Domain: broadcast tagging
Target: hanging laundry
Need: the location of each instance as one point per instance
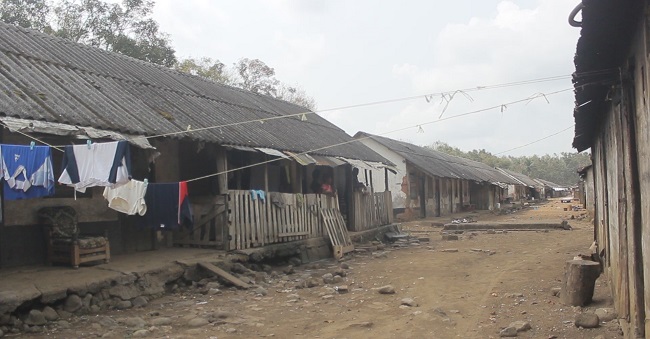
(128, 198)
(99, 164)
(168, 206)
(258, 193)
(27, 171)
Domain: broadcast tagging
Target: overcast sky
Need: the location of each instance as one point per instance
(352, 52)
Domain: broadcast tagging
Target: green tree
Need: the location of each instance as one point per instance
(125, 28)
(559, 168)
(209, 68)
(26, 13)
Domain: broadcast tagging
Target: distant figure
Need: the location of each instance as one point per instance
(315, 182)
(327, 187)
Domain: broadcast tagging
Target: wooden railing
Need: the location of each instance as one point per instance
(371, 210)
(254, 221)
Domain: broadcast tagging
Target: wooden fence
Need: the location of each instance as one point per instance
(255, 221)
(371, 210)
(209, 229)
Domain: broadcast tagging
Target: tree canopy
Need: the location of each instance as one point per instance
(128, 28)
(558, 168)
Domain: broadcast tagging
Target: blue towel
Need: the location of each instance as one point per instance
(27, 171)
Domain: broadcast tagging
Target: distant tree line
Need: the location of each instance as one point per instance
(128, 28)
(558, 168)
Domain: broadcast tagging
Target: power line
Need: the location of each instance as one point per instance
(380, 134)
(536, 141)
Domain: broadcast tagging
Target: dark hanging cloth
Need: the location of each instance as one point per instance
(168, 206)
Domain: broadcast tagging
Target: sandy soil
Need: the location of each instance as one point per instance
(464, 294)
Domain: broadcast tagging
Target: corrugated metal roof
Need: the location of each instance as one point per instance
(524, 179)
(50, 79)
(547, 183)
(441, 164)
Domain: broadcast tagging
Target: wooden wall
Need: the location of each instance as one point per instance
(622, 192)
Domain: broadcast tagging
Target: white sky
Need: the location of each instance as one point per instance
(351, 52)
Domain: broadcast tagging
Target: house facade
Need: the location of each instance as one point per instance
(224, 142)
(428, 183)
(611, 117)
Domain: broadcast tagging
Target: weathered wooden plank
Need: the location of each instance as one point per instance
(293, 234)
(223, 274)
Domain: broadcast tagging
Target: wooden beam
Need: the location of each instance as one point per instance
(386, 179)
(223, 274)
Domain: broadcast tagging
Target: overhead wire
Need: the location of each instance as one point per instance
(380, 134)
(536, 141)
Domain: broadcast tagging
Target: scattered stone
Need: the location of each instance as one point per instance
(587, 320)
(106, 321)
(289, 270)
(449, 237)
(440, 312)
(140, 333)
(337, 279)
(312, 283)
(198, 322)
(342, 288)
(514, 295)
(261, 291)
(123, 304)
(50, 314)
(73, 303)
(365, 324)
(388, 289)
(222, 314)
(327, 297)
(231, 330)
(345, 266)
(409, 302)
(454, 311)
(95, 308)
(423, 239)
(555, 291)
(293, 296)
(162, 321)
(124, 292)
(520, 326)
(135, 322)
(379, 255)
(295, 261)
(328, 278)
(140, 301)
(508, 332)
(606, 314)
(450, 250)
(35, 318)
(491, 232)
(340, 272)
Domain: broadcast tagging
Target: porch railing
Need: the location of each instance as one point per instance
(255, 220)
(209, 229)
(371, 210)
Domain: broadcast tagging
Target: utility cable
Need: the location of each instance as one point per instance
(536, 141)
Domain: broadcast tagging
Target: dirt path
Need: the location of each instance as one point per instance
(464, 294)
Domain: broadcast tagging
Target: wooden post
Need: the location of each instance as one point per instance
(222, 166)
(266, 173)
(372, 188)
(386, 179)
(579, 282)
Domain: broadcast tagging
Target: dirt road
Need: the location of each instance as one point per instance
(463, 294)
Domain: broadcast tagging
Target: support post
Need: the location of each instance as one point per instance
(386, 179)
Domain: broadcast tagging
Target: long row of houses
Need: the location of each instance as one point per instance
(253, 165)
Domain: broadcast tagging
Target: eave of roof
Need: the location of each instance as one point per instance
(607, 28)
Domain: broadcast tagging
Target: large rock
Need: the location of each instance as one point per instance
(124, 292)
(140, 334)
(123, 304)
(328, 278)
(508, 332)
(50, 314)
(606, 314)
(587, 320)
(521, 326)
(139, 301)
(35, 318)
(73, 303)
(134, 322)
(162, 321)
(388, 289)
(198, 322)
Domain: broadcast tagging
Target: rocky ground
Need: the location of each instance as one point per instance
(479, 286)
